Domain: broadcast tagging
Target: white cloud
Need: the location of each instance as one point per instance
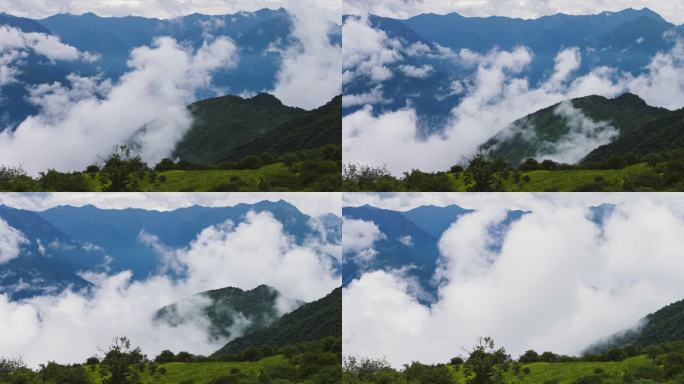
(406, 240)
(15, 45)
(70, 327)
(358, 238)
(375, 96)
(78, 124)
(584, 135)
(421, 72)
(11, 240)
(42, 44)
(367, 51)
(310, 74)
(671, 10)
(561, 292)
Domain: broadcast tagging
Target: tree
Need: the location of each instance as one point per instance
(53, 373)
(123, 171)
(483, 175)
(530, 356)
(120, 362)
(485, 362)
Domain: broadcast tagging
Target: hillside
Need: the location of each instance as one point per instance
(665, 133)
(224, 123)
(313, 321)
(536, 134)
(314, 129)
(229, 310)
(664, 325)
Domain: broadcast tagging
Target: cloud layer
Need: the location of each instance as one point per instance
(497, 93)
(563, 291)
(310, 74)
(10, 241)
(84, 121)
(245, 255)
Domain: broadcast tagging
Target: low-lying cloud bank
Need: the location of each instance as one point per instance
(496, 95)
(70, 327)
(83, 121)
(10, 241)
(560, 282)
(311, 72)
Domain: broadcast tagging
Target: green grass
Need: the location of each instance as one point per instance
(203, 181)
(200, 373)
(568, 181)
(563, 181)
(564, 373)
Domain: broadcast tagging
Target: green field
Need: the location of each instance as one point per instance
(198, 373)
(563, 181)
(564, 373)
(204, 180)
(568, 181)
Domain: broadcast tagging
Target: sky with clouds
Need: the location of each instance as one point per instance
(313, 204)
(496, 92)
(526, 9)
(560, 281)
(70, 326)
(309, 76)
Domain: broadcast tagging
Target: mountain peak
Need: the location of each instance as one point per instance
(630, 98)
(266, 98)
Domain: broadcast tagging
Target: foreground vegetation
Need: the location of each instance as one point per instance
(316, 362)
(124, 171)
(486, 364)
(655, 172)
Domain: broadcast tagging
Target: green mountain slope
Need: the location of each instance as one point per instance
(664, 325)
(311, 321)
(229, 310)
(536, 133)
(224, 123)
(311, 130)
(665, 133)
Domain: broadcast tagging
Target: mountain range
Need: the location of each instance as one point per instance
(625, 40)
(65, 240)
(259, 36)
